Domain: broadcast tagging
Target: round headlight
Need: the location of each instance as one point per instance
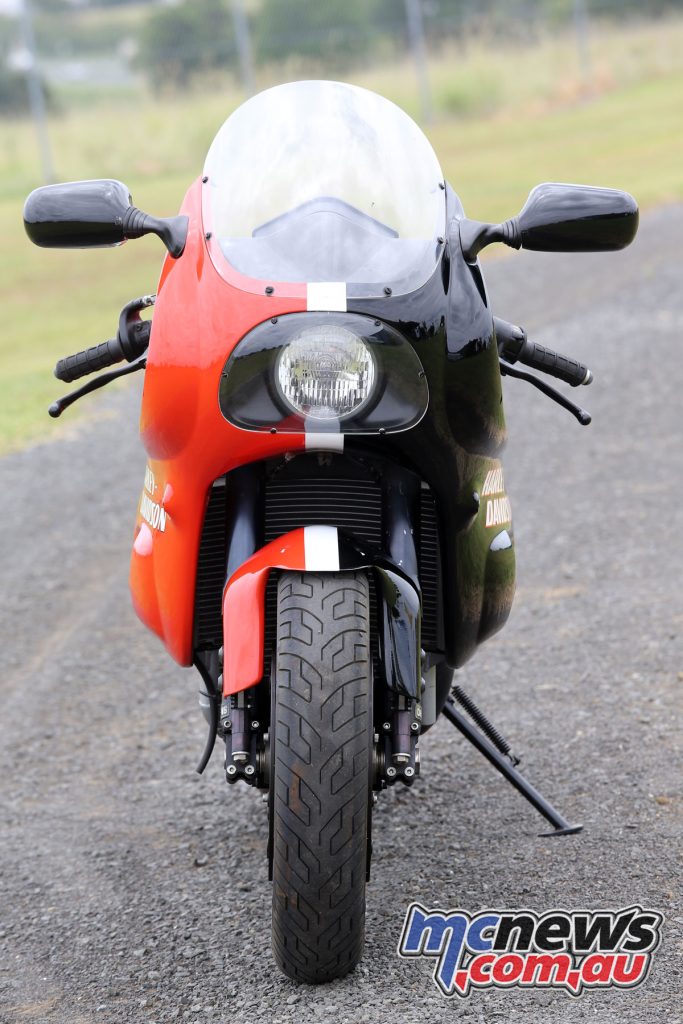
(326, 372)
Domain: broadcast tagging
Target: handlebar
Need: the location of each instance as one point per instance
(89, 360)
(514, 345)
(568, 370)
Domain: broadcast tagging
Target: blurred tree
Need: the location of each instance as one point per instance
(335, 32)
(179, 42)
(8, 36)
(50, 7)
(13, 94)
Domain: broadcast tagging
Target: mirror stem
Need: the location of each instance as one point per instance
(475, 236)
(171, 230)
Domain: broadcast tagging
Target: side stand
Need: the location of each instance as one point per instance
(561, 827)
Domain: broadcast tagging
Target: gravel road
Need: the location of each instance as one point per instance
(134, 891)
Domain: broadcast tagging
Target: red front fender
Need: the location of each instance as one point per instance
(311, 549)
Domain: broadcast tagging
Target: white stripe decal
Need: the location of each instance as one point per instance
(326, 296)
(321, 548)
(324, 442)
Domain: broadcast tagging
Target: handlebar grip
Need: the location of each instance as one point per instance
(89, 360)
(544, 359)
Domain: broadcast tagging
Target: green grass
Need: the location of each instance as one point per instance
(623, 129)
(630, 138)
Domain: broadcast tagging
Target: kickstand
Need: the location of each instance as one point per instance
(561, 827)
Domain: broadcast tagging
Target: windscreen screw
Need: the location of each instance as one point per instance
(442, 184)
(273, 319)
(378, 323)
(273, 430)
(205, 178)
(269, 289)
(382, 430)
(441, 239)
(207, 236)
(387, 290)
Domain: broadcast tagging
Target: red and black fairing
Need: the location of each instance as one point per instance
(224, 492)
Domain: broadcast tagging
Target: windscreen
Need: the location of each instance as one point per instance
(321, 181)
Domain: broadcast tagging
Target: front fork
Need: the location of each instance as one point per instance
(397, 757)
(233, 712)
(401, 660)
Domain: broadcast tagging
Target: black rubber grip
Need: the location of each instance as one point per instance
(89, 360)
(568, 370)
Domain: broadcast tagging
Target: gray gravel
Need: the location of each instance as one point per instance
(132, 890)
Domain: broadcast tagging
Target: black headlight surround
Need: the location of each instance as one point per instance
(249, 397)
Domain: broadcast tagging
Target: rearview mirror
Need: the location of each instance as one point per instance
(92, 214)
(577, 218)
(560, 218)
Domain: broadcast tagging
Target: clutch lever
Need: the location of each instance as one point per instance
(507, 370)
(60, 404)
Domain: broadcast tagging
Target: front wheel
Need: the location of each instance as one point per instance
(321, 773)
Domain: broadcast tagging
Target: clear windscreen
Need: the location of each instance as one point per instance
(321, 181)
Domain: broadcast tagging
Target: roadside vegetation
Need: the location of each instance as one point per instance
(503, 120)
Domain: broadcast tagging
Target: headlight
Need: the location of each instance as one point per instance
(329, 373)
(326, 372)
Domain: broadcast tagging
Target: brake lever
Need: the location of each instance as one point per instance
(581, 415)
(60, 404)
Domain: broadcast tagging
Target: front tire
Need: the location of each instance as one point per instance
(321, 773)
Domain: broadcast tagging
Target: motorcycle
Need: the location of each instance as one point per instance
(324, 530)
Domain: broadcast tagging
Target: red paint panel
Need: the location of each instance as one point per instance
(199, 317)
(244, 609)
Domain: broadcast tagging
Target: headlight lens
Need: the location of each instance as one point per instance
(326, 372)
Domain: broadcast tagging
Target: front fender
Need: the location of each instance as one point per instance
(319, 549)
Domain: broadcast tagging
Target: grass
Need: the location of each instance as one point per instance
(523, 123)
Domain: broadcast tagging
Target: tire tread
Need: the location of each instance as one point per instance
(321, 762)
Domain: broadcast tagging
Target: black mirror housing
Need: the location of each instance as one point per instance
(560, 218)
(94, 214)
(577, 218)
(77, 214)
